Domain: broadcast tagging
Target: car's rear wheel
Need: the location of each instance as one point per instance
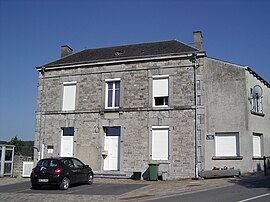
(90, 178)
(64, 184)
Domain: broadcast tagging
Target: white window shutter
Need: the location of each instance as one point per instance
(160, 144)
(69, 96)
(256, 145)
(160, 87)
(226, 145)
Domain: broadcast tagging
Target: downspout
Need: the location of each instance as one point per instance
(196, 66)
(41, 113)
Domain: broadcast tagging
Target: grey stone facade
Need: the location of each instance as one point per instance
(136, 116)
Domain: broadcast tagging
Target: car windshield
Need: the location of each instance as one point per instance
(49, 163)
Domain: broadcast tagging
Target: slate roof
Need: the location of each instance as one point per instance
(143, 50)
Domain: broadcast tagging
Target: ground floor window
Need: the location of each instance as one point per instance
(160, 143)
(227, 144)
(257, 149)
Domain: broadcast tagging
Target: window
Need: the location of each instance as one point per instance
(69, 163)
(69, 96)
(49, 163)
(256, 99)
(160, 143)
(257, 151)
(68, 131)
(77, 163)
(227, 144)
(112, 94)
(160, 91)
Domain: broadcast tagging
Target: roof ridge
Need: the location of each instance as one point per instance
(133, 44)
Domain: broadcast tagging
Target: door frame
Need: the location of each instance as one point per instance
(114, 133)
(69, 133)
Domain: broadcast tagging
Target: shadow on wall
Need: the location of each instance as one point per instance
(259, 167)
(267, 166)
(264, 166)
(146, 174)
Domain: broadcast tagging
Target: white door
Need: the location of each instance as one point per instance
(111, 162)
(67, 142)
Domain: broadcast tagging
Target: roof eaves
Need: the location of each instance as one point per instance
(257, 76)
(125, 59)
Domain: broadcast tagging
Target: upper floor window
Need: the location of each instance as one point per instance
(112, 93)
(69, 96)
(160, 91)
(256, 99)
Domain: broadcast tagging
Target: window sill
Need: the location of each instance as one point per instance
(159, 162)
(227, 157)
(258, 113)
(257, 158)
(161, 107)
(117, 109)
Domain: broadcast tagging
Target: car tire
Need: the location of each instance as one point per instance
(64, 184)
(90, 178)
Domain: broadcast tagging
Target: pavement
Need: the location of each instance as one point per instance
(151, 190)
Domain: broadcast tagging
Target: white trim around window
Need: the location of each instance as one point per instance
(160, 143)
(112, 93)
(227, 145)
(257, 145)
(69, 96)
(160, 90)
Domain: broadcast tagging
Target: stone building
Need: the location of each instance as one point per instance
(122, 108)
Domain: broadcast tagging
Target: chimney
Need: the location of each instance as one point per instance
(198, 40)
(66, 51)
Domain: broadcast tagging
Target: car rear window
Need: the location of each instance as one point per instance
(51, 163)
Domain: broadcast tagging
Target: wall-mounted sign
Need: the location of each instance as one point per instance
(50, 149)
(210, 137)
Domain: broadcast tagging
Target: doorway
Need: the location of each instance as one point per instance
(111, 145)
(67, 140)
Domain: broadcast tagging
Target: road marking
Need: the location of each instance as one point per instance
(255, 197)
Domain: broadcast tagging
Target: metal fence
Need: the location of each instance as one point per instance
(266, 163)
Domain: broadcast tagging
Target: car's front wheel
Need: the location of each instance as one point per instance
(90, 178)
(64, 184)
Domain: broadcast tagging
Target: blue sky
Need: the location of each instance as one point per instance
(32, 31)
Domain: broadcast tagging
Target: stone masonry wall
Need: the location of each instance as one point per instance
(136, 116)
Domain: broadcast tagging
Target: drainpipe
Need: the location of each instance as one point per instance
(196, 66)
(41, 113)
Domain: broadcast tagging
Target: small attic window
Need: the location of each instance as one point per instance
(118, 53)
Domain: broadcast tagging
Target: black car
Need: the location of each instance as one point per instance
(61, 171)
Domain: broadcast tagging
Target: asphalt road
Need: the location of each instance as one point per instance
(247, 190)
(94, 189)
(236, 190)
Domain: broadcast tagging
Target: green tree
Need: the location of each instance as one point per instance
(17, 143)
